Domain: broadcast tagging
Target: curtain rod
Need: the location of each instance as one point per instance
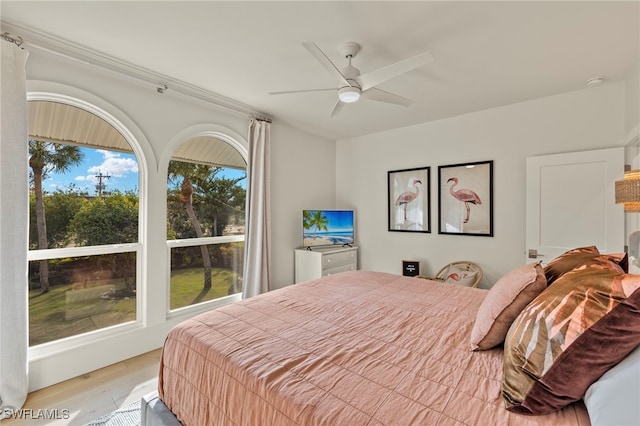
(52, 44)
(17, 40)
(260, 118)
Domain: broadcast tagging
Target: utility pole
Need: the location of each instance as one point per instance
(100, 187)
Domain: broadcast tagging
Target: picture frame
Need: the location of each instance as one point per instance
(409, 200)
(465, 199)
(410, 268)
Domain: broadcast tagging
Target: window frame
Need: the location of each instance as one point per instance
(45, 349)
(208, 304)
(242, 147)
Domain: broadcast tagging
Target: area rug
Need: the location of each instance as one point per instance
(129, 415)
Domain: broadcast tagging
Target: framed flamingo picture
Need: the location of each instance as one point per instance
(409, 195)
(465, 198)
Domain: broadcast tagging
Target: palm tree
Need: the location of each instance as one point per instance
(223, 198)
(186, 174)
(44, 158)
(306, 219)
(319, 221)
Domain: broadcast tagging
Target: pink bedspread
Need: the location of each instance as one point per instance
(358, 348)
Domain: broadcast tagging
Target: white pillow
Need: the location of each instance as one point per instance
(614, 399)
(460, 275)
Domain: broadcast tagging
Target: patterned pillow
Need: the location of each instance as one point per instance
(460, 275)
(570, 335)
(582, 256)
(622, 259)
(567, 261)
(504, 302)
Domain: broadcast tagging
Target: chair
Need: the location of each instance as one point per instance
(461, 272)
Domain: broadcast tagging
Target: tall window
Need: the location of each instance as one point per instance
(84, 207)
(205, 220)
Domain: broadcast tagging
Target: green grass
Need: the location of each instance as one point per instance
(55, 315)
(187, 286)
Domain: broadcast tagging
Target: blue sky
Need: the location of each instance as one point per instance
(121, 167)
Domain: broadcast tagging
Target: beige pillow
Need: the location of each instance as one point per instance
(459, 275)
(506, 299)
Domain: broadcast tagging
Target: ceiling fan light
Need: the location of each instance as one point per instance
(349, 94)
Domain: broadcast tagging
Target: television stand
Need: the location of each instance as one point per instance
(323, 261)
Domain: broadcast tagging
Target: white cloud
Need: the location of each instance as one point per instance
(113, 165)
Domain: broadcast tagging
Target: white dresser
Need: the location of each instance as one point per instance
(322, 261)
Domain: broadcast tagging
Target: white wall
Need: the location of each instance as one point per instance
(633, 96)
(303, 175)
(582, 120)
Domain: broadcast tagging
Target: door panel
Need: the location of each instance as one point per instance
(571, 203)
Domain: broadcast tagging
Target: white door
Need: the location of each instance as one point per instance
(571, 203)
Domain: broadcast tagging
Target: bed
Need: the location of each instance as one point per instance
(357, 348)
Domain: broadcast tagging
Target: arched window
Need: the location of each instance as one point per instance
(84, 246)
(206, 189)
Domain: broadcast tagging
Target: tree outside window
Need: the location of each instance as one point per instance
(205, 201)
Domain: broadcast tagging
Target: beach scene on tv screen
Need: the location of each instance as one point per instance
(327, 227)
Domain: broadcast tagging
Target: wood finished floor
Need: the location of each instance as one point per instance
(95, 394)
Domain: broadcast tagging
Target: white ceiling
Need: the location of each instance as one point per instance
(487, 54)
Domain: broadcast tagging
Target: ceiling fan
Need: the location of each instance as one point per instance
(352, 86)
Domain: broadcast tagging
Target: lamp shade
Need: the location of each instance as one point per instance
(628, 191)
(349, 94)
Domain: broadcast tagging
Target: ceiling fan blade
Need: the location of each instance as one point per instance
(383, 96)
(373, 78)
(337, 108)
(325, 62)
(286, 92)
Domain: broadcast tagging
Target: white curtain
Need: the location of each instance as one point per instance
(257, 266)
(14, 216)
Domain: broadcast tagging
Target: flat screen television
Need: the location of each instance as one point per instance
(328, 227)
